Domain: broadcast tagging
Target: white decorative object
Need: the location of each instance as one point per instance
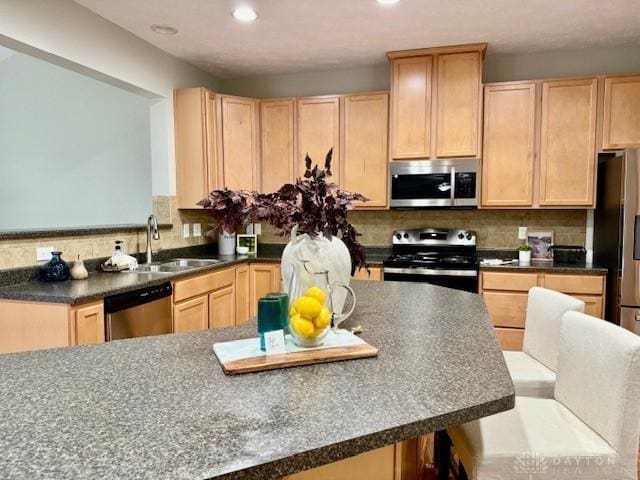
(321, 254)
(79, 271)
(250, 241)
(226, 243)
(524, 256)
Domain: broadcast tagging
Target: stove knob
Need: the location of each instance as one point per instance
(406, 235)
(461, 236)
(469, 237)
(398, 236)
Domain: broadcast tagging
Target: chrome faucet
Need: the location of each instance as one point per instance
(152, 224)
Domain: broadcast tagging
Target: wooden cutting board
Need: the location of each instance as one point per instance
(245, 356)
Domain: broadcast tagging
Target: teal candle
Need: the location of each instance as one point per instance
(269, 317)
(284, 305)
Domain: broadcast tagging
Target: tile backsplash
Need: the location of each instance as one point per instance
(495, 228)
(21, 252)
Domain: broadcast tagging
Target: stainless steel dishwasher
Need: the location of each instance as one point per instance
(140, 313)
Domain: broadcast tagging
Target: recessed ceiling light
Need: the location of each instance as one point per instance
(387, 2)
(245, 14)
(164, 29)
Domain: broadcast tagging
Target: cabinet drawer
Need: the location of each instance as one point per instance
(506, 309)
(509, 281)
(202, 284)
(374, 273)
(580, 284)
(510, 338)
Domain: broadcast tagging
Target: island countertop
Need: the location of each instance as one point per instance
(161, 407)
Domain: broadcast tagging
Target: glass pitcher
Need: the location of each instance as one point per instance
(311, 312)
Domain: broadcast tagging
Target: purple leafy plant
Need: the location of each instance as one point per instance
(314, 204)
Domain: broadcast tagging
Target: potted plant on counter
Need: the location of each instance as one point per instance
(231, 209)
(524, 254)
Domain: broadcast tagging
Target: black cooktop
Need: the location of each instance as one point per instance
(439, 260)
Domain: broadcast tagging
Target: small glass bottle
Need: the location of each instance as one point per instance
(269, 317)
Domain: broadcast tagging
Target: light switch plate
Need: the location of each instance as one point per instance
(257, 229)
(185, 230)
(43, 254)
(250, 229)
(197, 230)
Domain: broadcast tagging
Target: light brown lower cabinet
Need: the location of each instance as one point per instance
(394, 462)
(222, 308)
(263, 278)
(242, 294)
(191, 315)
(28, 326)
(374, 273)
(505, 295)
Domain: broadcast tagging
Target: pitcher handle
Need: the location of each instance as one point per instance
(338, 318)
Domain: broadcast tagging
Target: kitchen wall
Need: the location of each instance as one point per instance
(495, 228)
(22, 252)
(562, 63)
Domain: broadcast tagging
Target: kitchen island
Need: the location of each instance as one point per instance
(161, 407)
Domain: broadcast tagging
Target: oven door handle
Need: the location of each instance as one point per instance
(453, 186)
(432, 272)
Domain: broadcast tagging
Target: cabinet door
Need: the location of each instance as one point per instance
(222, 308)
(458, 104)
(239, 142)
(593, 306)
(621, 124)
(89, 324)
(318, 131)
(510, 338)
(262, 281)
(242, 294)
(567, 143)
(191, 315)
(508, 145)
(506, 309)
(366, 125)
(411, 108)
(197, 170)
(278, 149)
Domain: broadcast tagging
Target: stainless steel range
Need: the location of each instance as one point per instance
(438, 256)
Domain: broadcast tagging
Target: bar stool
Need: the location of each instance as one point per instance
(533, 369)
(589, 430)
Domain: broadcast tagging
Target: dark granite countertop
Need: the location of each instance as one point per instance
(100, 284)
(549, 267)
(161, 407)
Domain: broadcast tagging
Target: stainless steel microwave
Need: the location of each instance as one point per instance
(435, 183)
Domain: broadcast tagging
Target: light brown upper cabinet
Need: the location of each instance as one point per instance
(411, 107)
(621, 122)
(509, 144)
(436, 102)
(277, 122)
(567, 142)
(365, 149)
(239, 146)
(458, 94)
(198, 170)
(318, 122)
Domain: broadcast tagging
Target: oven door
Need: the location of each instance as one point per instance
(434, 183)
(466, 280)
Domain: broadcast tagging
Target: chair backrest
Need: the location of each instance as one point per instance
(598, 379)
(542, 328)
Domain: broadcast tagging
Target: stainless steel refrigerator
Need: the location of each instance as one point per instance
(616, 242)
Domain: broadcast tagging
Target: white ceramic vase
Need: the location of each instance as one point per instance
(226, 243)
(524, 256)
(320, 254)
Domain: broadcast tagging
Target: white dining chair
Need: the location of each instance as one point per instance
(589, 430)
(533, 370)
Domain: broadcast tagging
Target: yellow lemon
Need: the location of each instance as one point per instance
(292, 311)
(307, 307)
(302, 326)
(323, 319)
(317, 293)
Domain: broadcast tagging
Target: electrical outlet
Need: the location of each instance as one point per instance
(197, 230)
(257, 229)
(185, 230)
(250, 229)
(43, 254)
(522, 233)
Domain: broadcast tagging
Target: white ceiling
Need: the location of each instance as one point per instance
(302, 35)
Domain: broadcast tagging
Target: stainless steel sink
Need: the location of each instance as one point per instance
(175, 266)
(190, 262)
